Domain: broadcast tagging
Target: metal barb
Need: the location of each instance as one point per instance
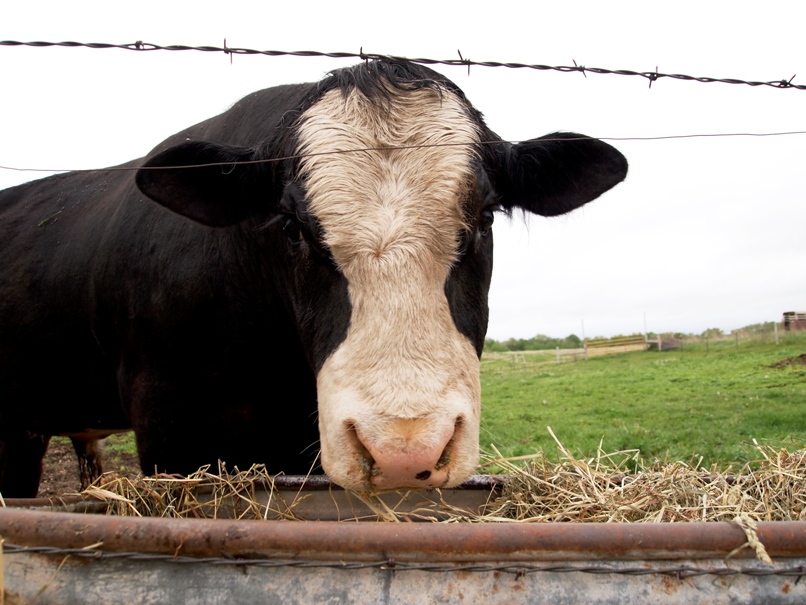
(463, 60)
(653, 76)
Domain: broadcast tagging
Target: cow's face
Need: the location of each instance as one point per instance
(388, 256)
(399, 395)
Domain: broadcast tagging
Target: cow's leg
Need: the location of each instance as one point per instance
(89, 460)
(21, 464)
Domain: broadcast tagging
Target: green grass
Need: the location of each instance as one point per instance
(673, 405)
(123, 443)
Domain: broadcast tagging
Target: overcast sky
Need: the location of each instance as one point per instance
(705, 232)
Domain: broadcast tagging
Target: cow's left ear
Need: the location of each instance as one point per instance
(203, 181)
(556, 173)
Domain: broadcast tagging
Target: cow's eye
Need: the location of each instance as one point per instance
(292, 230)
(486, 221)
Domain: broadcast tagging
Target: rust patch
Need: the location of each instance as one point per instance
(14, 598)
(669, 585)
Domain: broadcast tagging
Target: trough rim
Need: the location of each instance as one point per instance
(405, 542)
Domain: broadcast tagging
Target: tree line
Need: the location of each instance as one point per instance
(536, 343)
(572, 341)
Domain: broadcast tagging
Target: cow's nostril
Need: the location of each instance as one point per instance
(366, 459)
(445, 457)
(423, 475)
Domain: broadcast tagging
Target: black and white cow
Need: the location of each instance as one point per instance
(324, 242)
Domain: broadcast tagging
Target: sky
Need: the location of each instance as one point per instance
(705, 232)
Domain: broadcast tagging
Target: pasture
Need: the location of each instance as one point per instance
(706, 401)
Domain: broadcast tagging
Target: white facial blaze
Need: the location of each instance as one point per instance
(392, 220)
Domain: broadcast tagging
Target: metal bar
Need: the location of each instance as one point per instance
(401, 541)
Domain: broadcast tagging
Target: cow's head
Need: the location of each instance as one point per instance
(386, 211)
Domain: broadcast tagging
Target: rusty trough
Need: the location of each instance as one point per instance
(68, 557)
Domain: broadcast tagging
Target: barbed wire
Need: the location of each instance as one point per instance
(519, 569)
(396, 148)
(651, 76)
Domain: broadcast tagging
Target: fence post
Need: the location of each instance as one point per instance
(558, 355)
(737, 339)
(775, 328)
(584, 339)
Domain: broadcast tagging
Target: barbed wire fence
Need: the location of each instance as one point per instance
(651, 76)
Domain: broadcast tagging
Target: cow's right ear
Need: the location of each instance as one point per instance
(203, 181)
(557, 173)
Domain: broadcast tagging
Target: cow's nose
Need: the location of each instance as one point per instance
(413, 456)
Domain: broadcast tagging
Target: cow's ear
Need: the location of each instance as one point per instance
(556, 173)
(203, 181)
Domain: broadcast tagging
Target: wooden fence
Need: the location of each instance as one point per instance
(602, 346)
(620, 344)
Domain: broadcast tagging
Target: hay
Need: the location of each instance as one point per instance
(255, 494)
(616, 487)
(201, 495)
(611, 487)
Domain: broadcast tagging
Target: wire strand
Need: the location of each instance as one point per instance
(651, 76)
(397, 148)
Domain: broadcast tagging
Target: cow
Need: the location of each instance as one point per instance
(304, 274)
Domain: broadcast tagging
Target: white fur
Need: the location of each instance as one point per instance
(392, 220)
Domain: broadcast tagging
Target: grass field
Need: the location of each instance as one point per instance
(676, 405)
(681, 405)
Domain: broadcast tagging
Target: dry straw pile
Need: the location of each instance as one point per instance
(612, 487)
(608, 489)
(203, 494)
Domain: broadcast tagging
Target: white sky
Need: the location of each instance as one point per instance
(704, 232)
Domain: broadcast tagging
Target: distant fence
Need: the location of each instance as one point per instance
(750, 336)
(602, 346)
(620, 344)
(664, 343)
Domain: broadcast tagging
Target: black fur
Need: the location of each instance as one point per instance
(205, 335)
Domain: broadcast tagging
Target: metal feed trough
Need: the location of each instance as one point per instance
(51, 556)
